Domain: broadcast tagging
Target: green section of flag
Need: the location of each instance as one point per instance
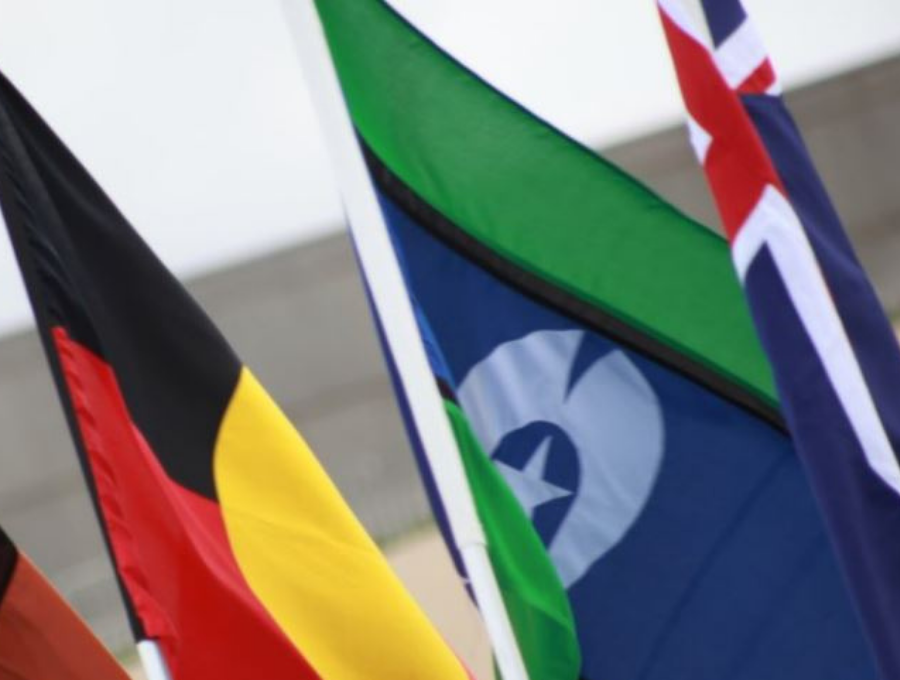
(534, 596)
(534, 196)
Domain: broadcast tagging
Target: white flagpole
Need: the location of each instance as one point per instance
(390, 297)
(152, 660)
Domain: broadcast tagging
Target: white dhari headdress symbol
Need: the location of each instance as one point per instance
(612, 417)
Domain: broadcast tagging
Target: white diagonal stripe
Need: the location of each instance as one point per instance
(681, 16)
(775, 89)
(701, 140)
(741, 54)
(773, 223)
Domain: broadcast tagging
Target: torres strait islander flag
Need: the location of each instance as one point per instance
(646, 514)
(834, 354)
(41, 637)
(234, 550)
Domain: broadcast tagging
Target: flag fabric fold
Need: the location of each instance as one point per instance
(40, 635)
(597, 359)
(234, 551)
(834, 354)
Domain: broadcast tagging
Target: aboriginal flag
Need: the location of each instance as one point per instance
(233, 549)
(40, 636)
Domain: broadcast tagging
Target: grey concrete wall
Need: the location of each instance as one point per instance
(299, 320)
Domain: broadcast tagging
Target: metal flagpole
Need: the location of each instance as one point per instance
(391, 299)
(152, 660)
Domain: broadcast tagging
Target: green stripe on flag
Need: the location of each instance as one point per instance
(534, 596)
(539, 199)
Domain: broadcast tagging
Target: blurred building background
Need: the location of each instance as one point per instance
(299, 320)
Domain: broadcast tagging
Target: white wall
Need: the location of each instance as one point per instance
(193, 116)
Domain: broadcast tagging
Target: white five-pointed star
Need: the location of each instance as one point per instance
(528, 484)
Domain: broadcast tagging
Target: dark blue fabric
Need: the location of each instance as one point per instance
(864, 516)
(727, 573)
(723, 17)
(862, 512)
(857, 304)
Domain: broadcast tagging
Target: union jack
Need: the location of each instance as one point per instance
(833, 352)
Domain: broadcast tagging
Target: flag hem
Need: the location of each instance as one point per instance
(15, 214)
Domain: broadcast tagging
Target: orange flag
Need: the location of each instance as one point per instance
(41, 637)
